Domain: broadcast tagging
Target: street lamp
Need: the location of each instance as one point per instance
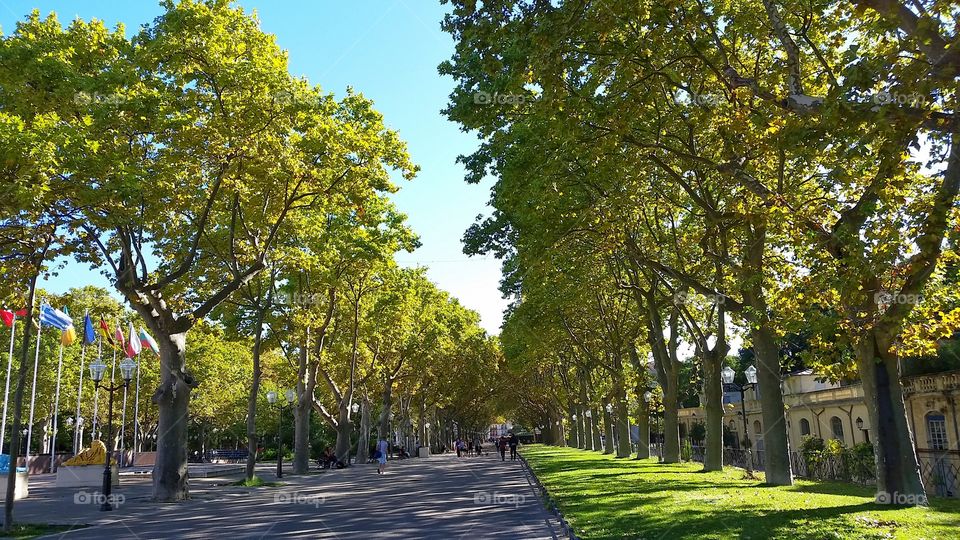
(272, 399)
(97, 369)
(727, 374)
(865, 433)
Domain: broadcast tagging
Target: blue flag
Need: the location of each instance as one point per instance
(54, 317)
(89, 334)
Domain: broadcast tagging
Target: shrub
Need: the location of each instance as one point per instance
(698, 432)
(686, 450)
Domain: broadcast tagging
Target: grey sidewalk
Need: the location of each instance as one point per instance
(439, 497)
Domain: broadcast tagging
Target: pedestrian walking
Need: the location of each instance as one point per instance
(513, 441)
(502, 446)
(381, 455)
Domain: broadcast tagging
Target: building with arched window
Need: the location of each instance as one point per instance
(818, 408)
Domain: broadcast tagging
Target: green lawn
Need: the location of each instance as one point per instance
(604, 497)
(28, 531)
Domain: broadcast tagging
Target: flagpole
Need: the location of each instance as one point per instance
(136, 414)
(56, 410)
(123, 427)
(76, 419)
(33, 389)
(6, 390)
(96, 396)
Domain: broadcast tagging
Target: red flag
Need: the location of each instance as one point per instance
(7, 317)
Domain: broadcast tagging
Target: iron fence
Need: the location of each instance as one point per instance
(940, 470)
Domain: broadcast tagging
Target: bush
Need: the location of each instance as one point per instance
(698, 432)
(686, 450)
(809, 444)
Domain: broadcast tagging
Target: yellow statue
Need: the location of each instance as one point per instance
(94, 455)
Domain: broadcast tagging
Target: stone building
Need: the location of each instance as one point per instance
(837, 411)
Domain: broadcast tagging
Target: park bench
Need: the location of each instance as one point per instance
(228, 456)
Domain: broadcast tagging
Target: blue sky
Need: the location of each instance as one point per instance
(388, 50)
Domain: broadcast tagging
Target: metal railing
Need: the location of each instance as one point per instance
(940, 469)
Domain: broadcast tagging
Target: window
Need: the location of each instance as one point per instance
(804, 426)
(936, 431)
(757, 428)
(836, 425)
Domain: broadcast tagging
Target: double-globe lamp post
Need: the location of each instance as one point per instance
(727, 374)
(272, 399)
(97, 370)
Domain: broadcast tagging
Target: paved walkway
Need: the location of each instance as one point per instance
(439, 497)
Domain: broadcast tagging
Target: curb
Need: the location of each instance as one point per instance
(546, 501)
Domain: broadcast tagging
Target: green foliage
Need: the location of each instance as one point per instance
(686, 450)
(698, 432)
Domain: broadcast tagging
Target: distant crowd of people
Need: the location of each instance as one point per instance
(474, 447)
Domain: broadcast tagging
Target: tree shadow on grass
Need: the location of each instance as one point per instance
(619, 499)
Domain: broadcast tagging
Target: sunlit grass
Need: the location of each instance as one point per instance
(604, 497)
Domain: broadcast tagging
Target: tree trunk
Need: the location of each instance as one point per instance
(170, 480)
(775, 444)
(898, 470)
(595, 430)
(384, 429)
(303, 408)
(363, 440)
(607, 431)
(667, 366)
(573, 441)
(344, 427)
(14, 447)
(252, 398)
(583, 438)
(643, 425)
(713, 395)
(622, 425)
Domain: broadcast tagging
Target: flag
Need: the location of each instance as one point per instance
(133, 344)
(89, 334)
(7, 317)
(118, 338)
(148, 341)
(54, 317)
(105, 331)
(68, 336)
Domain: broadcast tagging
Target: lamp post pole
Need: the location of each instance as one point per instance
(272, 399)
(97, 369)
(727, 374)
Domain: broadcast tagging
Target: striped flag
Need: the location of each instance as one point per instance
(133, 344)
(51, 316)
(105, 332)
(148, 341)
